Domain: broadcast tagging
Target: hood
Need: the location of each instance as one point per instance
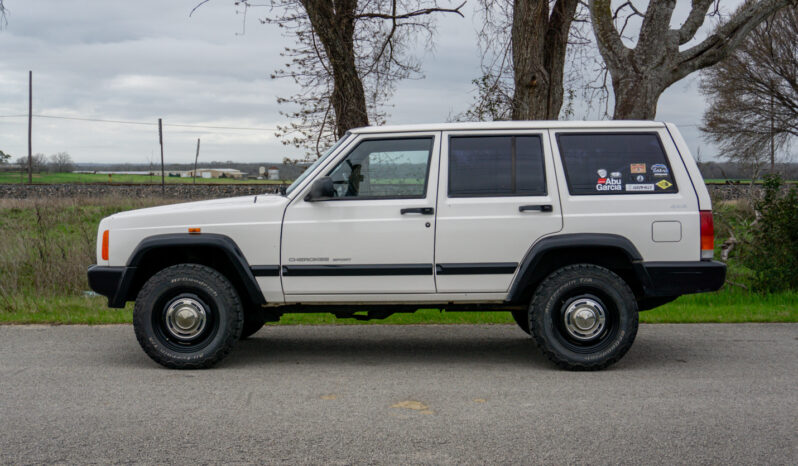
(244, 209)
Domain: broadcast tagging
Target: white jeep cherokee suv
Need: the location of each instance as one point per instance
(573, 227)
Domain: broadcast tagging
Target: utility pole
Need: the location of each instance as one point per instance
(160, 140)
(30, 127)
(195, 161)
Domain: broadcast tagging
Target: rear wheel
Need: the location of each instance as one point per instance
(187, 316)
(583, 317)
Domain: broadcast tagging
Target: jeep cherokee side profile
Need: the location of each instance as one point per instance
(573, 227)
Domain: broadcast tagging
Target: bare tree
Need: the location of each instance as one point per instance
(38, 162)
(641, 74)
(61, 163)
(523, 44)
(3, 20)
(348, 58)
(761, 115)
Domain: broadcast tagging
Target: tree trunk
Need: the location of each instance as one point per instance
(635, 97)
(539, 42)
(333, 22)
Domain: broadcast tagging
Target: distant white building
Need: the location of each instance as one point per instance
(274, 173)
(216, 173)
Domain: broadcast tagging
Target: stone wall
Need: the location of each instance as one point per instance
(176, 191)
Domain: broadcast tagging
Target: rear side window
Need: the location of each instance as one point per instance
(496, 166)
(615, 163)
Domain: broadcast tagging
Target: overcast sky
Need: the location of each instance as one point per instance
(138, 61)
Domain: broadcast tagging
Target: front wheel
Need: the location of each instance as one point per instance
(583, 317)
(187, 316)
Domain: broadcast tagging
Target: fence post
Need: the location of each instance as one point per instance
(195, 161)
(160, 140)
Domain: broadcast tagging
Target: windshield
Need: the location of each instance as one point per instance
(315, 164)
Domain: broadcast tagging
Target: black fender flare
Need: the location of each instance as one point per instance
(208, 240)
(568, 241)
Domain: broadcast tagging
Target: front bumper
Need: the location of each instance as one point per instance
(662, 279)
(111, 282)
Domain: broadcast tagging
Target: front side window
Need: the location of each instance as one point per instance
(496, 166)
(615, 163)
(385, 168)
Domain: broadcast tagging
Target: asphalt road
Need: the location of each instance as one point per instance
(401, 394)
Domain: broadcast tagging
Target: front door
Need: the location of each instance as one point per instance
(497, 196)
(376, 236)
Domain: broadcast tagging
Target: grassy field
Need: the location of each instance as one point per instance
(47, 245)
(727, 305)
(86, 178)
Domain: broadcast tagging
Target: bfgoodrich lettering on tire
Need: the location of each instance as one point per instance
(187, 316)
(583, 317)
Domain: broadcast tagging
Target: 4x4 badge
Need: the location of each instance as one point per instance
(664, 184)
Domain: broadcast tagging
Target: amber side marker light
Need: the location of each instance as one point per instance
(194, 230)
(104, 250)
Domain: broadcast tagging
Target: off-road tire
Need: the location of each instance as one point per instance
(562, 287)
(253, 321)
(225, 316)
(521, 318)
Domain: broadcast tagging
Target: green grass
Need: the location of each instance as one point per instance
(85, 178)
(728, 305)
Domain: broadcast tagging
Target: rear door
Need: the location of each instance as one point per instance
(497, 195)
(376, 236)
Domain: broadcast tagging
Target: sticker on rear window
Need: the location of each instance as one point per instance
(659, 169)
(637, 168)
(640, 187)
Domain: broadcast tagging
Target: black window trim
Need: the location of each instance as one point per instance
(385, 198)
(512, 135)
(614, 133)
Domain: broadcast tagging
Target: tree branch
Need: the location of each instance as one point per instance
(726, 37)
(424, 11)
(694, 20)
(607, 36)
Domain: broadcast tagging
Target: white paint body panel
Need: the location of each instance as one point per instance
(463, 230)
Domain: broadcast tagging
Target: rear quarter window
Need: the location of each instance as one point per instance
(615, 163)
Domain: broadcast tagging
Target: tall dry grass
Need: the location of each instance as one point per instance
(47, 244)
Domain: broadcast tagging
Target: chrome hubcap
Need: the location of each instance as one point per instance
(584, 319)
(185, 318)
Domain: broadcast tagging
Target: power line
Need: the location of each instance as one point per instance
(142, 123)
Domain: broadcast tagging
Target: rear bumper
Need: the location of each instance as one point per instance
(110, 282)
(662, 279)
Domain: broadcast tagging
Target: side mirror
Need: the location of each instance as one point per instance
(321, 189)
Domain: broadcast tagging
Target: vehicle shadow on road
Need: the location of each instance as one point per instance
(442, 346)
(515, 351)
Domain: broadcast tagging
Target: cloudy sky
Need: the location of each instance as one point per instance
(138, 61)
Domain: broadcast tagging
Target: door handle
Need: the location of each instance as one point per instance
(418, 210)
(538, 207)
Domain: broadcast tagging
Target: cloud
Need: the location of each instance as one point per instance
(146, 60)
